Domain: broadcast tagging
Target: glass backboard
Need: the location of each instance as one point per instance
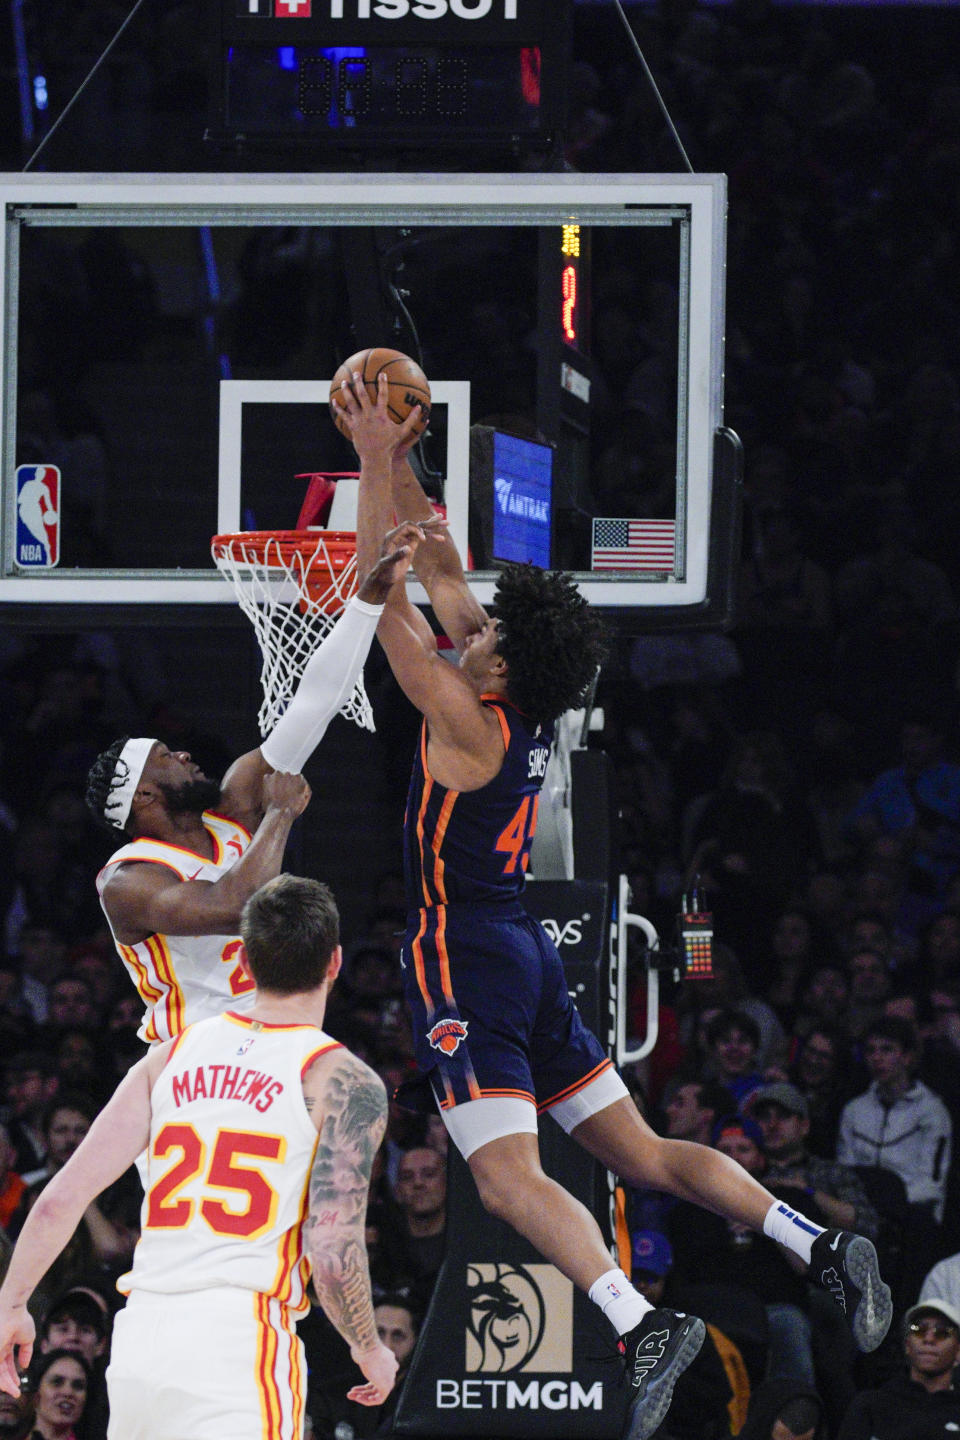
(167, 343)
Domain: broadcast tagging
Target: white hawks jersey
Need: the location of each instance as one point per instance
(228, 1162)
(185, 978)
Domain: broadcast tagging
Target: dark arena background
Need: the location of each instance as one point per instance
(684, 279)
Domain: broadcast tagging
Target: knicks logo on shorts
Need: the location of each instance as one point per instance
(446, 1035)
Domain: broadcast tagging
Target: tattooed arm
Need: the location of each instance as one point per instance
(348, 1105)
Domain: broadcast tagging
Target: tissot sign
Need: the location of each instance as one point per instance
(379, 9)
(397, 21)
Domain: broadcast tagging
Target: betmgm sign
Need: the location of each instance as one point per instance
(507, 1364)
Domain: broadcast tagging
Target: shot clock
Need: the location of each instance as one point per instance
(574, 266)
(389, 74)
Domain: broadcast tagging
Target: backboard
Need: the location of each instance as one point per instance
(166, 341)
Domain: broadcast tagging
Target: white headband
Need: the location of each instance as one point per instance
(126, 777)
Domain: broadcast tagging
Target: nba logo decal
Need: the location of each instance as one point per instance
(446, 1035)
(38, 517)
(246, 1044)
(292, 9)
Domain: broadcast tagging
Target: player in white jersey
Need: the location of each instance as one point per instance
(197, 848)
(185, 977)
(260, 1132)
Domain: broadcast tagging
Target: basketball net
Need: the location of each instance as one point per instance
(292, 585)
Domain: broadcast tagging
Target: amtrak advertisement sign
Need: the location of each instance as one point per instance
(522, 475)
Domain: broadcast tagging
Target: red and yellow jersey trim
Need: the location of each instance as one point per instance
(177, 1042)
(249, 1022)
(271, 1407)
(219, 847)
(159, 989)
(315, 1055)
(278, 1349)
(291, 1259)
(297, 1386)
(229, 820)
(149, 860)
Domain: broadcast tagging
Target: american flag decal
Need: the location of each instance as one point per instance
(633, 545)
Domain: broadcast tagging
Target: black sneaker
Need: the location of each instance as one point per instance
(846, 1266)
(656, 1352)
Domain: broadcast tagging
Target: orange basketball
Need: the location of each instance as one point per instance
(408, 385)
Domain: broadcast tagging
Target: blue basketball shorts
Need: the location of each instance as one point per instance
(492, 1015)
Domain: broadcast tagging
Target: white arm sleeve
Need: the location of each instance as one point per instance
(326, 684)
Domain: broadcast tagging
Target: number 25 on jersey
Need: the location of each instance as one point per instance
(246, 1204)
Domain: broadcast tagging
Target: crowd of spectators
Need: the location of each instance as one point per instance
(803, 770)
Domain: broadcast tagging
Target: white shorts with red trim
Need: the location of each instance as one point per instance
(219, 1364)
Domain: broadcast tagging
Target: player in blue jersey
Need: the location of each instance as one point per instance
(496, 1032)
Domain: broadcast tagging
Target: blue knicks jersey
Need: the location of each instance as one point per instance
(474, 845)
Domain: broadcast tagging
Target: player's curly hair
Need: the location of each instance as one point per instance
(553, 642)
(101, 778)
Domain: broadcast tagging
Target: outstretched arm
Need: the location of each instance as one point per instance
(438, 567)
(439, 691)
(387, 483)
(349, 1107)
(114, 1140)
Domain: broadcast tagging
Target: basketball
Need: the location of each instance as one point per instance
(408, 385)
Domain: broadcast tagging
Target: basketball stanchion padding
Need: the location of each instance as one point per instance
(291, 585)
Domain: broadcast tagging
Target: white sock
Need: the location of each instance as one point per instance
(792, 1229)
(623, 1306)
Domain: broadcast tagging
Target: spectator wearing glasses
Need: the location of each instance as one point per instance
(923, 1401)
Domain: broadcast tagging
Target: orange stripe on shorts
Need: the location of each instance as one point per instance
(576, 1087)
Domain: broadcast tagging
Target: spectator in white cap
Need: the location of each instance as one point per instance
(922, 1402)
